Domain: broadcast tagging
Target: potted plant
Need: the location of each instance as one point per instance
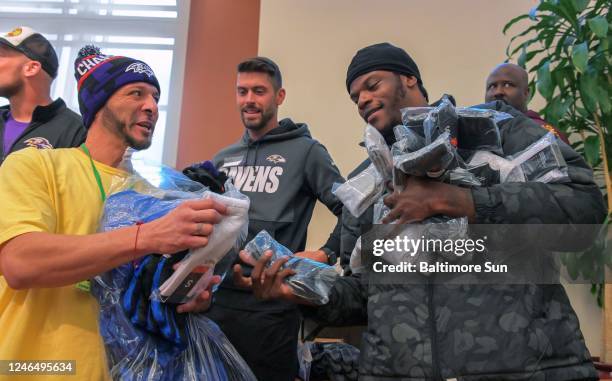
(566, 46)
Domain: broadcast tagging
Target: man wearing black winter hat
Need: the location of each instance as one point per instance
(49, 214)
(29, 64)
(447, 332)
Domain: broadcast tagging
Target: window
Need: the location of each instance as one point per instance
(154, 31)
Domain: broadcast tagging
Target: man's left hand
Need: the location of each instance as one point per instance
(201, 302)
(423, 198)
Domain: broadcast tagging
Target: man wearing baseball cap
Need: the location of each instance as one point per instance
(51, 205)
(29, 65)
(448, 331)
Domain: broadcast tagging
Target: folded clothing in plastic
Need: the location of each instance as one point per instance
(135, 354)
(378, 152)
(146, 339)
(433, 158)
(312, 280)
(360, 191)
(478, 131)
(441, 119)
(542, 161)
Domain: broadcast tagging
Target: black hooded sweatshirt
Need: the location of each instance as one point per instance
(283, 173)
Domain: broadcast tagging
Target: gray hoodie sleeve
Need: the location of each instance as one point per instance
(321, 174)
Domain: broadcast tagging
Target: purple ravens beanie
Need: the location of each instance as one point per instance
(99, 76)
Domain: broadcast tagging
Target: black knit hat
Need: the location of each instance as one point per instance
(383, 56)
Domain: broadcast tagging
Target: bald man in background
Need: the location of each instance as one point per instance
(509, 82)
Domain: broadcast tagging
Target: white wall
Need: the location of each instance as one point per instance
(455, 44)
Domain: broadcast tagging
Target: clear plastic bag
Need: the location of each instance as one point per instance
(126, 208)
(430, 160)
(305, 360)
(441, 119)
(496, 163)
(360, 191)
(415, 116)
(406, 140)
(137, 355)
(146, 339)
(542, 161)
(355, 262)
(478, 131)
(463, 176)
(227, 234)
(378, 152)
(312, 280)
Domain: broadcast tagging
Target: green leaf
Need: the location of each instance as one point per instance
(512, 22)
(522, 58)
(590, 91)
(560, 11)
(580, 5)
(544, 81)
(599, 26)
(603, 98)
(591, 150)
(580, 56)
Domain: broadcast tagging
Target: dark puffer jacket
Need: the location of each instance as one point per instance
(476, 332)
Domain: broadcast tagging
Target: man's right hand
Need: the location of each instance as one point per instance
(186, 227)
(266, 283)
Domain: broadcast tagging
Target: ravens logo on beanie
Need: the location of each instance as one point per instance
(99, 76)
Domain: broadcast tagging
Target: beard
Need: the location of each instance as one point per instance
(11, 89)
(394, 106)
(121, 129)
(266, 116)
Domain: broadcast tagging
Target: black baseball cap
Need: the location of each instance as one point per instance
(34, 45)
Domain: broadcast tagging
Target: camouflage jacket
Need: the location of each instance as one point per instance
(475, 332)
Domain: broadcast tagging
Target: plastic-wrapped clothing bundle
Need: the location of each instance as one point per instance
(477, 129)
(442, 119)
(220, 242)
(471, 177)
(146, 339)
(355, 262)
(439, 228)
(415, 116)
(137, 355)
(378, 152)
(312, 280)
(430, 160)
(496, 163)
(542, 162)
(360, 191)
(407, 139)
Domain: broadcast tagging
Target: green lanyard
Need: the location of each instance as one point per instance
(95, 172)
(85, 285)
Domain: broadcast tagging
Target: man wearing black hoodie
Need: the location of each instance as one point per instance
(29, 64)
(284, 171)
